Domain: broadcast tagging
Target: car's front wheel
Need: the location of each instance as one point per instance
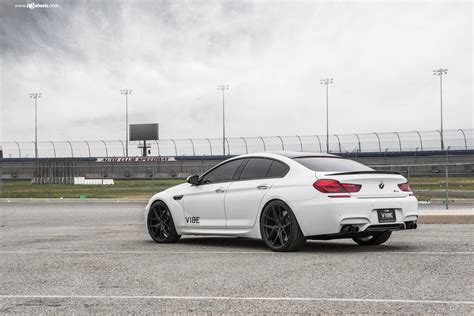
(160, 224)
(375, 239)
(279, 227)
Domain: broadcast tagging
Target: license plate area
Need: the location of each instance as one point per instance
(386, 215)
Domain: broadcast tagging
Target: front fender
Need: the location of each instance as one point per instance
(175, 207)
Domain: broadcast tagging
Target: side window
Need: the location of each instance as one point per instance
(277, 170)
(223, 173)
(256, 168)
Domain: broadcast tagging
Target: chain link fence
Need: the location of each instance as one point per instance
(416, 141)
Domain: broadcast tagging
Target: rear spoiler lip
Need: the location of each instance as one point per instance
(364, 172)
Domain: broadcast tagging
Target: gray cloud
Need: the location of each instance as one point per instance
(272, 54)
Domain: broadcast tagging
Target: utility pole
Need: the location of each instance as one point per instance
(440, 72)
(327, 82)
(126, 92)
(35, 96)
(223, 87)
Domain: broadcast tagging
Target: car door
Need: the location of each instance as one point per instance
(244, 196)
(204, 203)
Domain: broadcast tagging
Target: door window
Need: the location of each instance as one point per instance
(256, 168)
(222, 173)
(277, 170)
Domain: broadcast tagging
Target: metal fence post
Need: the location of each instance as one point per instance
(19, 149)
(175, 148)
(358, 141)
(319, 141)
(282, 144)
(264, 147)
(399, 140)
(339, 142)
(246, 147)
(88, 147)
(421, 141)
(380, 145)
(301, 143)
(157, 148)
(464, 135)
(228, 146)
(72, 151)
(54, 148)
(210, 146)
(440, 137)
(192, 144)
(123, 147)
(106, 150)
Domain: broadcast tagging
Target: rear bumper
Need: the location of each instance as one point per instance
(329, 216)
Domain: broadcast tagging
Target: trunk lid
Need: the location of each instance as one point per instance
(375, 184)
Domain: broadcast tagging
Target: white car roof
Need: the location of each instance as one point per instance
(288, 154)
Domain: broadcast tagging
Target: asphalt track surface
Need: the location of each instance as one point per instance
(96, 257)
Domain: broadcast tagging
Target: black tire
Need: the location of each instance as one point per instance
(279, 227)
(160, 224)
(375, 239)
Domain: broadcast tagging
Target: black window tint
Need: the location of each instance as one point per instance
(223, 173)
(277, 170)
(331, 164)
(256, 168)
(239, 169)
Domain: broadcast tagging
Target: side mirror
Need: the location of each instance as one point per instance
(194, 179)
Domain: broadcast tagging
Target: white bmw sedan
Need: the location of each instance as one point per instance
(285, 198)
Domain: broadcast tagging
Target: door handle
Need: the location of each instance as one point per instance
(262, 187)
(220, 190)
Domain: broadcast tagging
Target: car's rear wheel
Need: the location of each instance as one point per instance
(279, 227)
(375, 239)
(160, 224)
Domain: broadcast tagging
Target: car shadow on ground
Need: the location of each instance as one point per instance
(246, 244)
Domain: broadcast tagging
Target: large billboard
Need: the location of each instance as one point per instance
(144, 132)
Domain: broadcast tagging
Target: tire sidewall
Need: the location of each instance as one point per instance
(295, 230)
(173, 235)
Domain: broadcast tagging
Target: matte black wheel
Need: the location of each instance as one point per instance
(375, 239)
(160, 224)
(279, 227)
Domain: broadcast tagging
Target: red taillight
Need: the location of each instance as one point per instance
(405, 187)
(334, 186)
(329, 186)
(350, 187)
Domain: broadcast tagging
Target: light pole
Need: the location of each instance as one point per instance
(440, 72)
(35, 96)
(327, 82)
(126, 92)
(223, 87)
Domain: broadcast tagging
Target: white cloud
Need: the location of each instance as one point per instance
(272, 54)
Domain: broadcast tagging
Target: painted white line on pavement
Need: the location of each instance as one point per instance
(230, 252)
(236, 298)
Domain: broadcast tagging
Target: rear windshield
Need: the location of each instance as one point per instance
(331, 164)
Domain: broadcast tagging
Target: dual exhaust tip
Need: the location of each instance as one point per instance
(355, 229)
(349, 229)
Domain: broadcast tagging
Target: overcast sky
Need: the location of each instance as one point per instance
(271, 53)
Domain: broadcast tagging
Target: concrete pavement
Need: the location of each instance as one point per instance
(76, 257)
